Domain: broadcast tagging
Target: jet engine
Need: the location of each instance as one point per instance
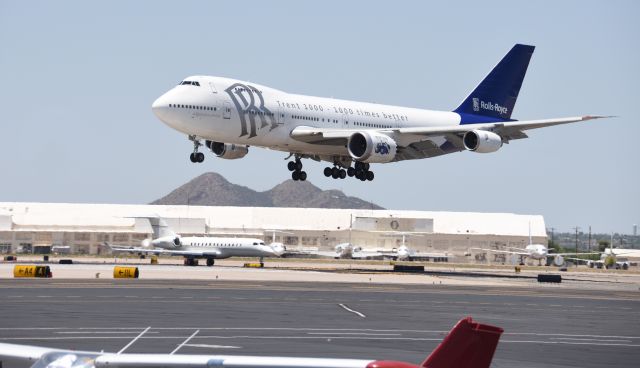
(167, 242)
(227, 151)
(558, 261)
(482, 141)
(403, 254)
(372, 147)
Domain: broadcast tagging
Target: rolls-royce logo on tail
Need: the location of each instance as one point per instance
(249, 103)
(476, 104)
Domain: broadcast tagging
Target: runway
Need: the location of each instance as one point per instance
(543, 327)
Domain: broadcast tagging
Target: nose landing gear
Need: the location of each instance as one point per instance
(195, 156)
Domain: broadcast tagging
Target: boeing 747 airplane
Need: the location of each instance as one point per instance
(231, 115)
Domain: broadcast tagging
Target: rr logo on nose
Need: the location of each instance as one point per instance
(244, 97)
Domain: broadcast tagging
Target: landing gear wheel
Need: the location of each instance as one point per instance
(335, 173)
(193, 158)
(210, 262)
(327, 172)
(295, 175)
(351, 171)
(303, 175)
(298, 164)
(370, 175)
(291, 166)
(343, 174)
(199, 157)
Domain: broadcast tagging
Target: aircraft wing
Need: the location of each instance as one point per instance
(423, 142)
(468, 344)
(159, 251)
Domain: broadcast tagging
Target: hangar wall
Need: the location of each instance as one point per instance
(83, 228)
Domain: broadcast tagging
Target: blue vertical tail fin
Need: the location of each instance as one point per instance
(494, 98)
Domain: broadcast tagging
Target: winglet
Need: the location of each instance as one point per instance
(468, 345)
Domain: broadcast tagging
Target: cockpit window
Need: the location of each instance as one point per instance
(191, 83)
(261, 243)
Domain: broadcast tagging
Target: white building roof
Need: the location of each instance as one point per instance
(118, 217)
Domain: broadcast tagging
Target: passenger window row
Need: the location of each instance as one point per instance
(178, 106)
(381, 126)
(215, 245)
(311, 118)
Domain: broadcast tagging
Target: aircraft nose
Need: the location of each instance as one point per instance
(160, 106)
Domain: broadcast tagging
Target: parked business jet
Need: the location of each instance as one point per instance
(539, 252)
(468, 345)
(405, 253)
(230, 115)
(166, 241)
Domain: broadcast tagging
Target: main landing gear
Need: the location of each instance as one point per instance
(196, 157)
(296, 170)
(360, 171)
(335, 172)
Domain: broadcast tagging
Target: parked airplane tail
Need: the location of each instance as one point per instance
(494, 98)
(160, 227)
(468, 345)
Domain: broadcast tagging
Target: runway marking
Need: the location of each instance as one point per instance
(184, 342)
(567, 343)
(354, 333)
(134, 340)
(351, 310)
(95, 332)
(213, 346)
(574, 339)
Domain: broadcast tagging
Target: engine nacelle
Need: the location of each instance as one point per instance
(482, 141)
(167, 242)
(227, 151)
(371, 147)
(558, 260)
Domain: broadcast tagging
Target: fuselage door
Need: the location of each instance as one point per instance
(226, 110)
(280, 117)
(344, 121)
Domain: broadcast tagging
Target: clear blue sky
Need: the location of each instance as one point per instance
(78, 79)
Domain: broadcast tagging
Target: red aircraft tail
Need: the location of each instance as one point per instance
(468, 345)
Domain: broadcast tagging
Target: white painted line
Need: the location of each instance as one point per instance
(574, 339)
(354, 333)
(184, 342)
(213, 346)
(351, 310)
(134, 340)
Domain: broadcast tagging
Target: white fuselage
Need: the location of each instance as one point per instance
(232, 111)
(218, 247)
(537, 251)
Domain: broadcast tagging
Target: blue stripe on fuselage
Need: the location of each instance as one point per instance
(479, 119)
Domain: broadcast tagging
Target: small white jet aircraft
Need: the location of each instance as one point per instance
(404, 253)
(348, 251)
(193, 247)
(538, 252)
(230, 115)
(468, 345)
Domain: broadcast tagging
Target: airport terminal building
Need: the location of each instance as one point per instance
(83, 228)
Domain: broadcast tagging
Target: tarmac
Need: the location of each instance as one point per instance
(592, 320)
